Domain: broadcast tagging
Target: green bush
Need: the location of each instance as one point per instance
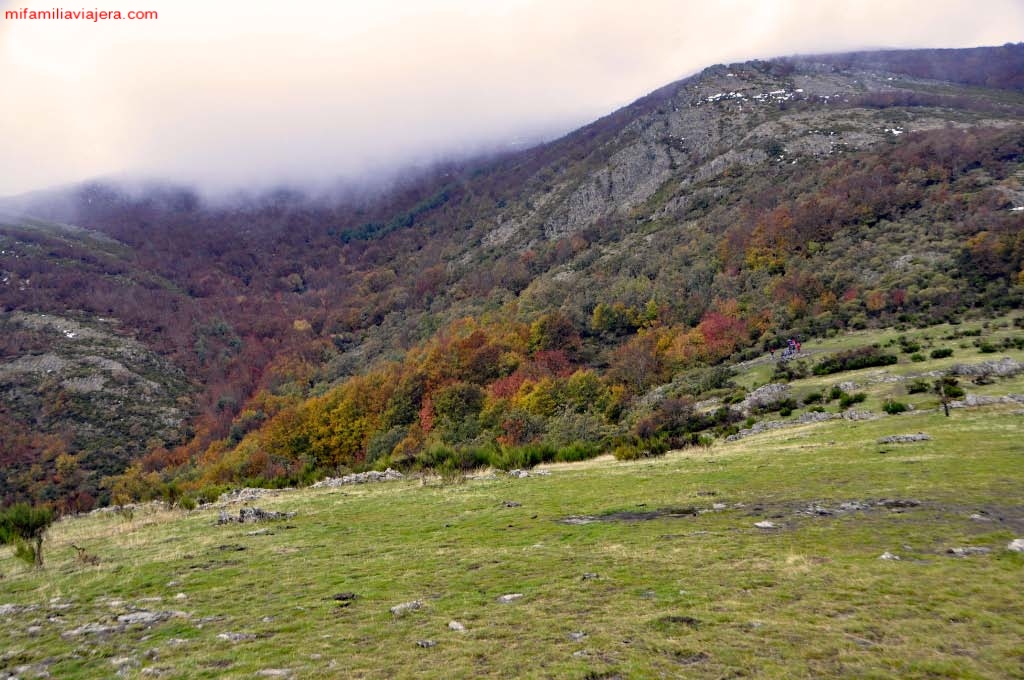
(813, 398)
(941, 353)
(25, 526)
(848, 400)
(893, 407)
(864, 357)
(785, 412)
(917, 386)
(917, 357)
(835, 393)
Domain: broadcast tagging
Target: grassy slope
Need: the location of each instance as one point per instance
(808, 599)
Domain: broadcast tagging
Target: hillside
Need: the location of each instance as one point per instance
(804, 551)
(609, 275)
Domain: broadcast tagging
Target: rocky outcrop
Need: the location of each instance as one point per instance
(250, 515)
(764, 396)
(904, 438)
(766, 425)
(388, 475)
(1003, 368)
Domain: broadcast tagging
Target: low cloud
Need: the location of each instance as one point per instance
(234, 94)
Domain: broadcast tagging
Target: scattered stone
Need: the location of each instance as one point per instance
(345, 597)
(577, 635)
(818, 510)
(1016, 545)
(89, 629)
(275, 672)
(848, 386)
(979, 400)
(124, 662)
(1004, 367)
(181, 596)
(456, 626)
(245, 495)
(905, 438)
(765, 525)
(969, 550)
(510, 597)
(981, 518)
(718, 506)
(859, 415)
(406, 607)
(888, 556)
(388, 475)
(767, 425)
(260, 532)
(235, 637)
(518, 474)
(764, 396)
(248, 515)
(426, 644)
(588, 576)
(512, 504)
(144, 618)
(33, 631)
(853, 506)
(897, 503)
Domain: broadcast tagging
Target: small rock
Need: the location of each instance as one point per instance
(765, 525)
(818, 510)
(456, 626)
(124, 662)
(718, 506)
(981, 518)
(181, 596)
(275, 672)
(905, 438)
(510, 597)
(577, 635)
(426, 644)
(888, 556)
(345, 597)
(143, 617)
(1016, 545)
(589, 576)
(512, 504)
(518, 474)
(34, 630)
(235, 637)
(898, 503)
(969, 550)
(406, 607)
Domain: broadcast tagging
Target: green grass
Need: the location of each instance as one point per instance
(705, 596)
(687, 596)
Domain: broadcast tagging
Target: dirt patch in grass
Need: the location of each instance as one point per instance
(631, 516)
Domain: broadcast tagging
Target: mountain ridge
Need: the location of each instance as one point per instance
(726, 200)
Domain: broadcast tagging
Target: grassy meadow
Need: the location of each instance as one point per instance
(643, 569)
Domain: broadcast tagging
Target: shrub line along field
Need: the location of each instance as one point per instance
(759, 557)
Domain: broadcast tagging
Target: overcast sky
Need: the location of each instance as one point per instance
(235, 93)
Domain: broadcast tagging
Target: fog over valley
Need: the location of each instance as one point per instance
(234, 95)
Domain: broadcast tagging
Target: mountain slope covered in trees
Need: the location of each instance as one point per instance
(577, 297)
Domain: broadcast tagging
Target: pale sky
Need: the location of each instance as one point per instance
(242, 93)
